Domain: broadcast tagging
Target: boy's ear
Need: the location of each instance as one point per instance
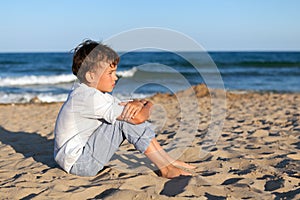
(90, 76)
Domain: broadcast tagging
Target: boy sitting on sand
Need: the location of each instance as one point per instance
(92, 124)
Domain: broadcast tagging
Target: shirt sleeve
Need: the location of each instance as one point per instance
(102, 106)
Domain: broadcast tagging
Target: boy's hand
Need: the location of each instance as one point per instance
(131, 109)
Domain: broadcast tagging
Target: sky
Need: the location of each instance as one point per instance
(217, 25)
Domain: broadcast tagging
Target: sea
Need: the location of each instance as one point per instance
(48, 76)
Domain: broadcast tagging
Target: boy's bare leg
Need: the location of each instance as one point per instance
(169, 158)
(167, 169)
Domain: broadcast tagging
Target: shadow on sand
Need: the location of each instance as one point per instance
(30, 145)
(175, 186)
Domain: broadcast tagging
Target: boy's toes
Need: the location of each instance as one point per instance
(183, 164)
(175, 172)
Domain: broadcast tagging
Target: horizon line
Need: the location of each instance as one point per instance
(122, 51)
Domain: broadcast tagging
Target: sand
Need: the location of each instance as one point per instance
(256, 154)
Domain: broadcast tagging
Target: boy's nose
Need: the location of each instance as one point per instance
(116, 77)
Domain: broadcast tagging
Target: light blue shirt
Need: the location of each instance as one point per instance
(78, 119)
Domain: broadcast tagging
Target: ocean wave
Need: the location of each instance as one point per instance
(36, 80)
(50, 97)
(263, 63)
(26, 97)
(156, 70)
(10, 62)
(127, 73)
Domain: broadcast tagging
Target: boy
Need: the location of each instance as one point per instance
(92, 124)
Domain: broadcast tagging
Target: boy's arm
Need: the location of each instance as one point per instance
(139, 117)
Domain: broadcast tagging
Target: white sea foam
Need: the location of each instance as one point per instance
(26, 97)
(127, 73)
(40, 84)
(49, 97)
(50, 80)
(36, 80)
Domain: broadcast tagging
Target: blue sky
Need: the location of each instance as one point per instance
(35, 25)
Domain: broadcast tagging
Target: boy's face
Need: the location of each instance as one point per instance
(107, 78)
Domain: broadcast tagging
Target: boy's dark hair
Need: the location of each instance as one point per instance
(88, 54)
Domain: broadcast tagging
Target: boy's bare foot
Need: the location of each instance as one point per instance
(171, 171)
(179, 163)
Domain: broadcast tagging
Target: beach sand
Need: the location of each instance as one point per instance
(256, 155)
